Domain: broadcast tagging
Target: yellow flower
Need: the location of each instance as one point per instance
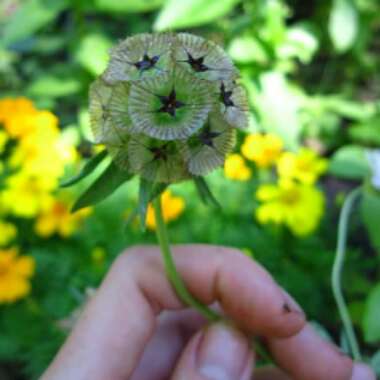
(236, 169)
(262, 149)
(298, 206)
(25, 195)
(305, 166)
(57, 218)
(15, 274)
(172, 208)
(8, 232)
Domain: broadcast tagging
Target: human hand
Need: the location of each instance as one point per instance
(136, 328)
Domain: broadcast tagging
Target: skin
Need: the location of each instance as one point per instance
(136, 328)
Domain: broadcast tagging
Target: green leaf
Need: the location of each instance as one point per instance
(183, 14)
(87, 169)
(370, 212)
(205, 193)
(92, 53)
(367, 133)
(53, 86)
(128, 6)
(343, 25)
(349, 162)
(105, 185)
(375, 362)
(31, 16)
(247, 49)
(371, 320)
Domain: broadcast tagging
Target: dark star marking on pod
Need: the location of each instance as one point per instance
(147, 62)
(170, 104)
(225, 96)
(206, 137)
(196, 63)
(159, 153)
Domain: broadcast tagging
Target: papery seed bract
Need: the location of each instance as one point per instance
(141, 56)
(207, 149)
(103, 108)
(196, 98)
(204, 58)
(157, 161)
(234, 104)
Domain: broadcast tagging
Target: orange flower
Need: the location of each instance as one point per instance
(15, 274)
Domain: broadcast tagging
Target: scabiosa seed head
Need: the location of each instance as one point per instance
(167, 106)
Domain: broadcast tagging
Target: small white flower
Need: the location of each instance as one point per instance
(373, 156)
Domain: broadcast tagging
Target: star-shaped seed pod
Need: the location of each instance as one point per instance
(206, 150)
(203, 58)
(141, 56)
(171, 106)
(155, 160)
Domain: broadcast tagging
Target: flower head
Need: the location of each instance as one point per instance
(57, 218)
(262, 149)
(172, 208)
(167, 106)
(235, 168)
(15, 274)
(305, 166)
(297, 206)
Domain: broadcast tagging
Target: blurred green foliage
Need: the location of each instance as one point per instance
(312, 74)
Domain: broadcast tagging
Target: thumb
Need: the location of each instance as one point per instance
(217, 353)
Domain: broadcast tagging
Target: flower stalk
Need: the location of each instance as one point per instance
(338, 268)
(171, 270)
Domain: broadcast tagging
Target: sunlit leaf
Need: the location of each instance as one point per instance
(278, 106)
(182, 14)
(92, 53)
(53, 86)
(247, 49)
(343, 24)
(145, 191)
(127, 6)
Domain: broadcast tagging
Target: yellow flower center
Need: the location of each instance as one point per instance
(290, 196)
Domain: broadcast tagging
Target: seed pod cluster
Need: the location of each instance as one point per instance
(167, 106)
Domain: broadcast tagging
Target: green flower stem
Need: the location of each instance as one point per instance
(337, 271)
(171, 269)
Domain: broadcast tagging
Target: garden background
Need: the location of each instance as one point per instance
(311, 71)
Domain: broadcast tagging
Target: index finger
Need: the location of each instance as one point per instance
(110, 337)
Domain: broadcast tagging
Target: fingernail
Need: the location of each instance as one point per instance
(223, 354)
(361, 371)
(290, 305)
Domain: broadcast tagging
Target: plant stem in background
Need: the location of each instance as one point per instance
(171, 270)
(338, 268)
